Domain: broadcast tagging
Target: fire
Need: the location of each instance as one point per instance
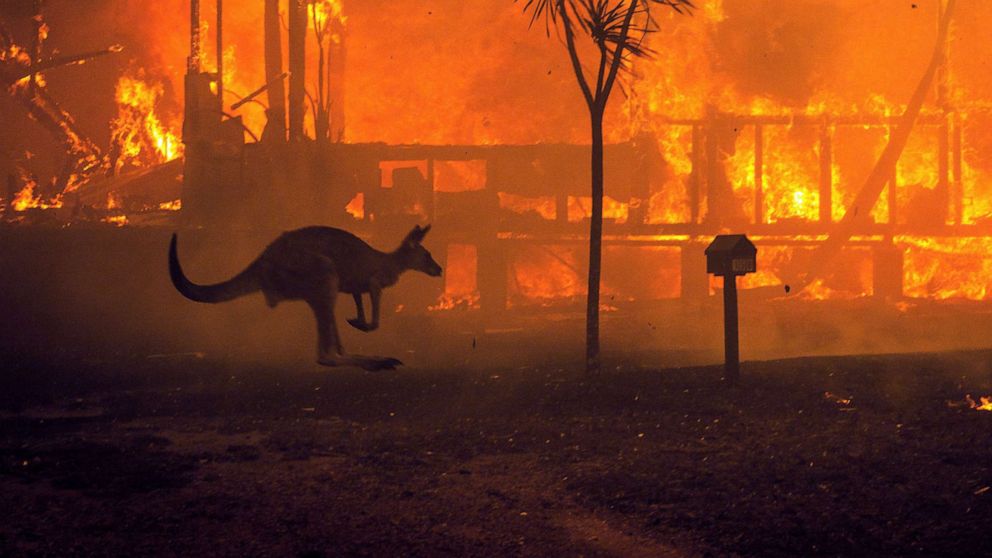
(114, 201)
(984, 403)
(174, 205)
(460, 283)
(26, 199)
(138, 131)
(543, 206)
(328, 10)
(116, 220)
(356, 207)
(788, 83)
(946, 268)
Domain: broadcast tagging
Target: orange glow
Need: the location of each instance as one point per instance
(460, 282)
(116, 220)
(475, 74)
(945, 268)
(580, 208)
(356, 207)
(459, 176)
(543, 206)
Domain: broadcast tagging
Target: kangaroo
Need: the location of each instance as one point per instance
(314, 264)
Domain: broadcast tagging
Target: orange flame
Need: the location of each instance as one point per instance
(141, 135)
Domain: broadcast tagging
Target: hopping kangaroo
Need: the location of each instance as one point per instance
(314, 264)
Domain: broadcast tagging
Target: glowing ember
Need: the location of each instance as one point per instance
(984, 403)
(837, 399)
(113, 200)
(117, 220)
(174, 205)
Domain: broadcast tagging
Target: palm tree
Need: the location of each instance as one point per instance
(617, 30)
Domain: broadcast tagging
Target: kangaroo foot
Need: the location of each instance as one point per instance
(361, 325)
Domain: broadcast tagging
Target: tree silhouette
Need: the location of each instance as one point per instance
(617, 30)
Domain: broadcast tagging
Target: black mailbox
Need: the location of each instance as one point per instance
(731, 254)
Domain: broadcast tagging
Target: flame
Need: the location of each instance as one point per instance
(356, 207)
(138, 131)
(328, 10)
(544, 206)
(26, 199)
(116, 220)
(174, 205)
(984, 405)
(580, 208)
(521, 91)
(114, 201)
(946, 268)
(460, 279)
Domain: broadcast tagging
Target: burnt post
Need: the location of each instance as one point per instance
(730, 255)
(297, 67)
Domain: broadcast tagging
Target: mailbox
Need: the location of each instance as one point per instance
(731, 254)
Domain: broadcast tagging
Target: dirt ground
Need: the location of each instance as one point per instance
(192, 456)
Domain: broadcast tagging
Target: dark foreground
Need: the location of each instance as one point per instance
(180, 455)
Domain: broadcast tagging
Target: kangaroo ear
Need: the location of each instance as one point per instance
(416, 235)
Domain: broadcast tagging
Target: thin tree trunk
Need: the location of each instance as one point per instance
(297, 67)
(273, 68)
(595, 243)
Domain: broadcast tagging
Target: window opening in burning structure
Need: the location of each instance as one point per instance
(460, 176)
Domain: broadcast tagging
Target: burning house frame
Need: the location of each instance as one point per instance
(489, 202)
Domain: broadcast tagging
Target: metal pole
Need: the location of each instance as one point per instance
(731, 348)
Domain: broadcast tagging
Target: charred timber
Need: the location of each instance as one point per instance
(276, 115)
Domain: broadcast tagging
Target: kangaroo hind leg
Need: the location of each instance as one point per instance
(329, 349)
(321, 302)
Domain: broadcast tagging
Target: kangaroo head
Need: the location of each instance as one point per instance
(415, 256)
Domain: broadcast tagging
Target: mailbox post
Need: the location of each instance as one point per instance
(728, 256)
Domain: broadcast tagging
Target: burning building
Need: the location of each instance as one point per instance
(773, 119)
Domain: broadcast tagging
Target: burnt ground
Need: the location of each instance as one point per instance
(186, 455)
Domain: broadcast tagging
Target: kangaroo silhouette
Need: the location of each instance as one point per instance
(314, 264)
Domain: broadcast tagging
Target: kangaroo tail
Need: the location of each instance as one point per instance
(240, 285)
